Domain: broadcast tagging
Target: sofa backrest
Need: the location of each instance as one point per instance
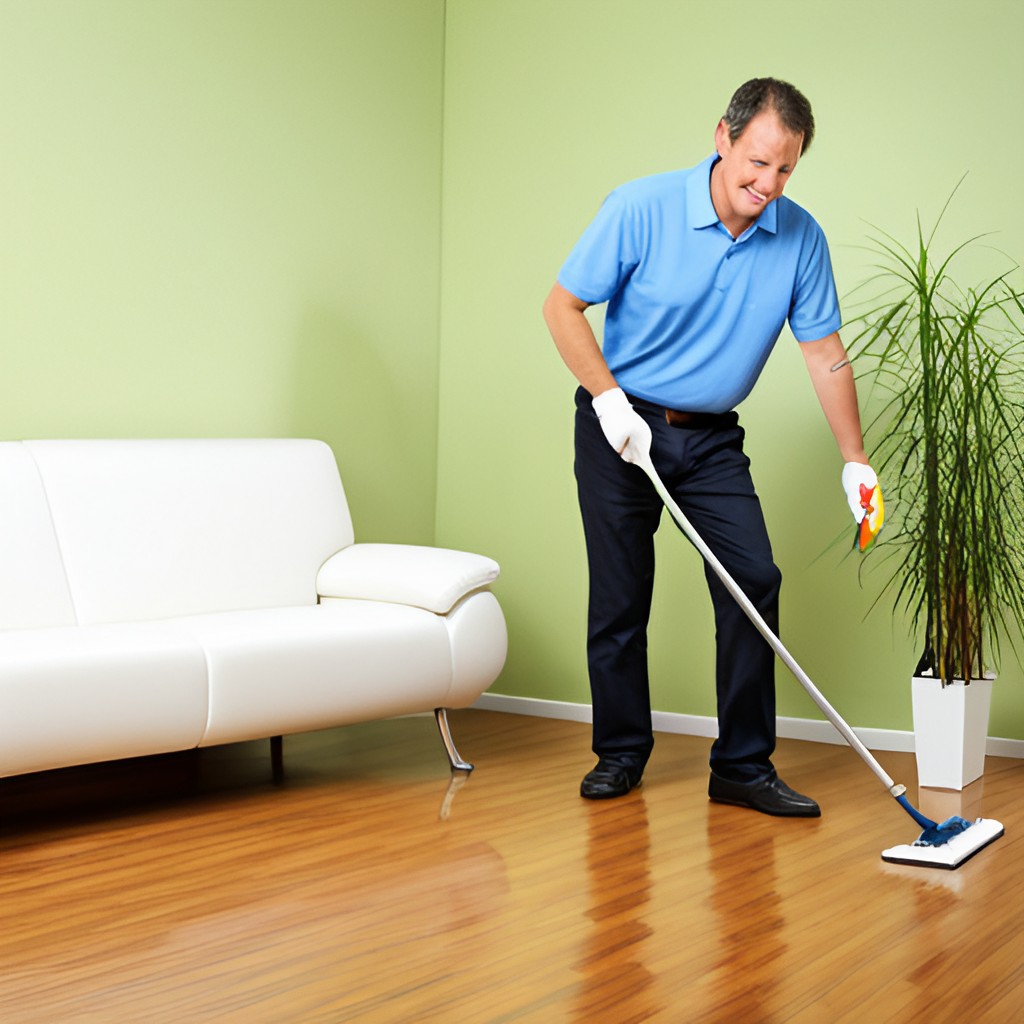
(33, 587)
(150, 529)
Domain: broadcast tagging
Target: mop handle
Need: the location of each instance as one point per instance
(776, 644)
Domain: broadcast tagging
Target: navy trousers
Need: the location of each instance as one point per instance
(708, 474)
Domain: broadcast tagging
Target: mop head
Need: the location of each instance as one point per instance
(947, 845)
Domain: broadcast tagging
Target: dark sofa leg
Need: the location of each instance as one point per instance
(441, 715)
(277, 758)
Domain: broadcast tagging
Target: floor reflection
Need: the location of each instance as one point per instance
(940, 804)
(616, 983)
(455, 783)
(748, 915)
(926, 879)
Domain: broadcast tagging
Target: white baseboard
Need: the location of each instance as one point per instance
(700, 725)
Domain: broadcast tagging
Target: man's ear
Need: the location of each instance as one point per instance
(722, 140)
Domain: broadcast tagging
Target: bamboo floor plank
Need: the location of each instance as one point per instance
(369, 887)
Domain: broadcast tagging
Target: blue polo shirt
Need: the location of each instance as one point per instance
(692, 313)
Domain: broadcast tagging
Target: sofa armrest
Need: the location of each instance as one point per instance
(425, 577)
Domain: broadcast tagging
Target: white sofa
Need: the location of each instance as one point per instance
(159, 595)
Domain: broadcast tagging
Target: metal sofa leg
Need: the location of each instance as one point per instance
(441, 715)
(277, 758)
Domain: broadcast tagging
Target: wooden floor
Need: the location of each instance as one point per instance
(190, 888)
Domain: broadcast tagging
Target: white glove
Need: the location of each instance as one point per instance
(865, 500)
(626, 430)
(855, 474)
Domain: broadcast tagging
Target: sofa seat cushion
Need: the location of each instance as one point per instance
(285, 670)
(78, 694)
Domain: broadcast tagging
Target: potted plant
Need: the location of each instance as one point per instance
(947, 365)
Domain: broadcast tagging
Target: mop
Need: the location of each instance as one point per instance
(946, 845)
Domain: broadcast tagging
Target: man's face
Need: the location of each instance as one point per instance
(753, 170)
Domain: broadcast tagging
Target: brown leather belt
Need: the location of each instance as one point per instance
(691, 420)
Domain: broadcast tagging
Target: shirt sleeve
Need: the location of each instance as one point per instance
(814, 311)
(606, 254)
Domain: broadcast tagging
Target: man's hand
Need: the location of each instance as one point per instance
(627, 432)
(864, 497)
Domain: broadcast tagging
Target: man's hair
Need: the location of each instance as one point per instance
(791, 106)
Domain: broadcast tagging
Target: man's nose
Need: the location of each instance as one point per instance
(767, 183)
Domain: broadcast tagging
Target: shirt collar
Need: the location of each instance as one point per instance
(701, 211)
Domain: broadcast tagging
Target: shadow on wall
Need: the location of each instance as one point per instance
(380, 421)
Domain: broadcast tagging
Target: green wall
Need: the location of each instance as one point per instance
(221, 217)
(548, 106)
(232, 217)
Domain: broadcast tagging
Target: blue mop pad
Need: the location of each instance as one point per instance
(947, 845)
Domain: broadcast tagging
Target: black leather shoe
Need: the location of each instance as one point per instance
(608, 779)
(769, 795)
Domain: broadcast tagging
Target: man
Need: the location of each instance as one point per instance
(701, 269)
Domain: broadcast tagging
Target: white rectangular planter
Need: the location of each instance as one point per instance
(950, 731)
